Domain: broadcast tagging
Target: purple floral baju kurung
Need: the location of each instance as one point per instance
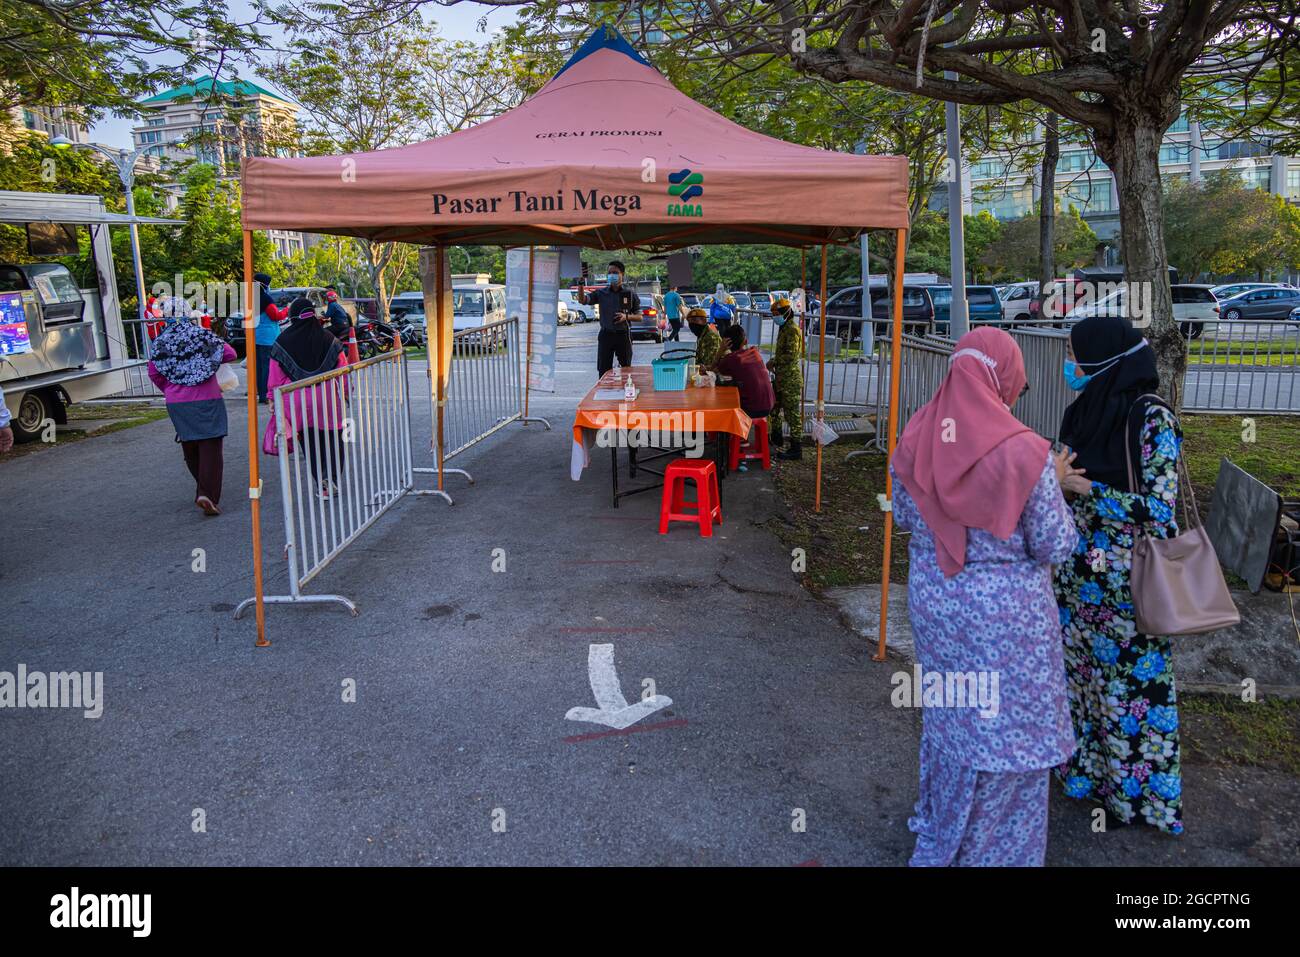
(984, 771)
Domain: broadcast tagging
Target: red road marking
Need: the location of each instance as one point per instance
(676, 723)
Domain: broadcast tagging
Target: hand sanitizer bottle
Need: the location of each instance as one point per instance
(629, 390)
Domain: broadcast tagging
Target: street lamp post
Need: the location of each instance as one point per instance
(124, 163)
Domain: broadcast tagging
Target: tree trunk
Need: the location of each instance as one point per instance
(377, 256)
(1133, 154)
(1047, 202)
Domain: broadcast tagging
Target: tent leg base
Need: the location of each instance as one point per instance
(435, 491)
(536, 418)
(298, 600)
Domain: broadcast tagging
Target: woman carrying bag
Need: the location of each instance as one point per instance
(186, 359)
(1123, 492)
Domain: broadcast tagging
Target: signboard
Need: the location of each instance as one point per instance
(15, 339)
(440, 336)
(546, 294)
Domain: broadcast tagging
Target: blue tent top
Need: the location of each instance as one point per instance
(604, 37)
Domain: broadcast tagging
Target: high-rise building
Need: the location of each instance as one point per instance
(219, 123)
(51, 121)
(1009, 190)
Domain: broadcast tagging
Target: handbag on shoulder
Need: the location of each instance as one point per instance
(1177, 584)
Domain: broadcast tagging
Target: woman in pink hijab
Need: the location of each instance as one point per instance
(981, 495)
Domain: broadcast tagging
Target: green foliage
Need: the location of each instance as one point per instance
(1222, 227)
(1013, 253)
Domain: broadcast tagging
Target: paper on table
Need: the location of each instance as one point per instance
(611, 395)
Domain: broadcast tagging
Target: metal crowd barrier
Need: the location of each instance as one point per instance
(336, 482)
(924, 363)
(1244, 365)
(485, 392)
(136, 346)
(1043, 405)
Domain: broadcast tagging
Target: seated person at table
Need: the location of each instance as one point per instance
(745, 366)
(708, 344)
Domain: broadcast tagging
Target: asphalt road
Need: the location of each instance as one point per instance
(463, 678)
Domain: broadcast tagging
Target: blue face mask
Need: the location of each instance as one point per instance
(613, 278)
(1072, 377)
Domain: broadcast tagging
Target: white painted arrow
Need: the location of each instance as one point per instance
(614, 711)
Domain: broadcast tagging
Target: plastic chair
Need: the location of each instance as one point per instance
(707, 506)
(756, 448)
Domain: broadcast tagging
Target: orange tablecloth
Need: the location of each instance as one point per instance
(706, 409)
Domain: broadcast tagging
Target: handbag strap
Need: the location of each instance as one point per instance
(1185, 489)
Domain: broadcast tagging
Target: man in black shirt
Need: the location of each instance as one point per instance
(617, 304)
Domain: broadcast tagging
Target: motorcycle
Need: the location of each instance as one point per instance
(374, 338)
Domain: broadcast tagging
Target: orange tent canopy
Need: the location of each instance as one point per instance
(608, 154)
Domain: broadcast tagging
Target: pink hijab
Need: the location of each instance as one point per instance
(965, 459)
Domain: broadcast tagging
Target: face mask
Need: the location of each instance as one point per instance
(1077, 380)
(613, 278)
(779, 319)
(1072, 377)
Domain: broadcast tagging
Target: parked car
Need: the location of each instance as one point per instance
(651, 323)
(762, 301)
(1016, 298)
(1274, 302)
(1194, 306)
(692, 300)
(577, 311)
(982, 306)
(743, 300)
(478, 305)
(844, 308)
(562, 315)
(1232, 289)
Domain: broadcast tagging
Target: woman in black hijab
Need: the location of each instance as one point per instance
(1120, 681)
(316, 413)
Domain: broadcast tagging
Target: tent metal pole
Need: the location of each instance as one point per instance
(803, 297)
(254, 464)
(441, 403)
(821, 380)
(528, 348)
(891, 437)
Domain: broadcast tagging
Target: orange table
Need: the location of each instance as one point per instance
(686, 412)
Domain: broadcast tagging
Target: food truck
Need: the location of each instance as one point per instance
(61, 343)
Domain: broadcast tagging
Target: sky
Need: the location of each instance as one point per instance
(459, 22)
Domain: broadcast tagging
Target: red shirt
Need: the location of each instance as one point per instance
(750, 372)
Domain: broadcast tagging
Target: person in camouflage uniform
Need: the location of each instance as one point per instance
(787, 369)
(708, 344)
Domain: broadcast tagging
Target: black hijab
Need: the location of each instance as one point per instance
(1097, 424)
(306, 348)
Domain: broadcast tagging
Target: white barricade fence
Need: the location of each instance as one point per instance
(1042, 407)
(485, 393)
(343, 440)
(1242, 365)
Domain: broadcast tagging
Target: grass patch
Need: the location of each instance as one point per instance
(844, 542)
(1273, 458)
(1224, 730)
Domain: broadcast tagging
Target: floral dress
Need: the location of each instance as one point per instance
(1121, 682)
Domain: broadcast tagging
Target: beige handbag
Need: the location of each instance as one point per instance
(1177, 584)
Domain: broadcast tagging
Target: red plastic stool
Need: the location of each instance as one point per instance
(755, 448)
(707, 506)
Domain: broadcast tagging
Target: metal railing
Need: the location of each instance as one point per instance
(485, 393)
(1043, 405)
(485, 390)
(343, 439)
(924, 363)
(136, 345)
(1245, 365)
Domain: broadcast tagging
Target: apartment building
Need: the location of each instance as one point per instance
(219, 123)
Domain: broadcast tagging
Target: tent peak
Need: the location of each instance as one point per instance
(604, 37)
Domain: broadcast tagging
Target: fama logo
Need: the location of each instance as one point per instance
(685, 185)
